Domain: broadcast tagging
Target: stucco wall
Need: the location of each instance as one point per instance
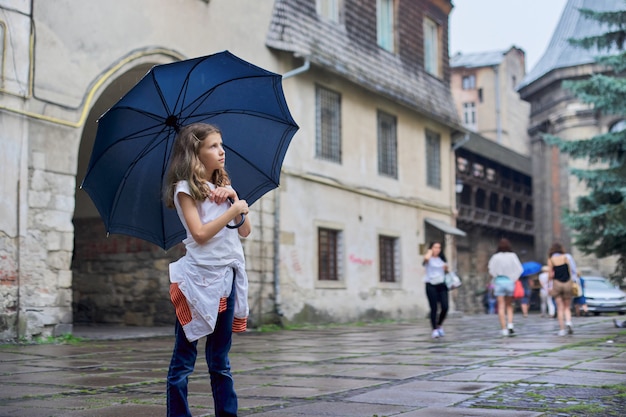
(352, 197)
(80, 49)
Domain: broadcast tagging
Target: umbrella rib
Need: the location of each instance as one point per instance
(206, 95)
(133, 136)
(146, 150)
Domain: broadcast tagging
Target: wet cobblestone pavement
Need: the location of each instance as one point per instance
(377, 370)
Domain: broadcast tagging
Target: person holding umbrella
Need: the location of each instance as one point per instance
(209, 283)
(505, 268)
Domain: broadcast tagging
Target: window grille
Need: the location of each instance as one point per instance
(329, 254)
(387, 145)
(389, 258)
(328, 125)
(433, 160)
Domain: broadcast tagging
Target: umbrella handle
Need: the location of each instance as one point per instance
(238, 225)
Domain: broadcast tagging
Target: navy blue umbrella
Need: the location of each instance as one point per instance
(134, 140)
(531, 268)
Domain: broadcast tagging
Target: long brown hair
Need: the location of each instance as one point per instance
(556, 248)
(504, 245)
(185, 164)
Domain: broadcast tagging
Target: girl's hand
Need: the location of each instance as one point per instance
(221, 194)
(240, 207)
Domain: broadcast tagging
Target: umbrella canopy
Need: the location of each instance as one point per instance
(134, 140)
(531, 268)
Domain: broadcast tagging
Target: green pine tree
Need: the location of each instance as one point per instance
(599, 220)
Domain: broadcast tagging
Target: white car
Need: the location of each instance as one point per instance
(603, 297)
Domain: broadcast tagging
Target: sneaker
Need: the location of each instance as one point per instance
(505, 332)
(441, 332)
(510, 328)
(435, 334)
(569, 328)
(562, 332)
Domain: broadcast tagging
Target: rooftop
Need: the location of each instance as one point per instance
(343, 49)
(560, 53)
(477, 59)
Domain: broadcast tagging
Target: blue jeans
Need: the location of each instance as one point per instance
(216, 352)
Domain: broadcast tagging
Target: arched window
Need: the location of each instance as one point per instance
(493, 202)
(506, 206)
(618, 126)
(529, 212)
(517, 210)
(480, 198)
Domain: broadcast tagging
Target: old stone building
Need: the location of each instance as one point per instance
(493, 166)
(369, 170)
(556, 111)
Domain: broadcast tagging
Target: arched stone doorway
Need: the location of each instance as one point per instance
(117, 279)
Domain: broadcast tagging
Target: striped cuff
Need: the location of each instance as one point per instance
(223, 305)
(183, 313)
(240, 325)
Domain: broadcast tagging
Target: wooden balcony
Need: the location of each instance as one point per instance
(490, 219)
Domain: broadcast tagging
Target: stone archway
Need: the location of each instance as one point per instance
(117, 279)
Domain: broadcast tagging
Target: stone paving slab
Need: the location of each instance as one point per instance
(384, 370)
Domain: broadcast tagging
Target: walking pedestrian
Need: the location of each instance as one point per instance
(505, 268)
(580, 302)
(561, 273)
(436, 288)
(546, 302)
(525, 300)
(209, 283)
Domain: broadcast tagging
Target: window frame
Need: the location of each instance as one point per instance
(332, 271)
(386, 24)
(468, 82)
(388, 270)
(328, 141)
(433, 159)
(469, 114)
(432, 47)
(387, 141)
(329, 10)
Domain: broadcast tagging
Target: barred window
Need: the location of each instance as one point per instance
(387, 145)
(328, 124)
(433, 160)
(388, 249)
(385, 24)
(329, 254)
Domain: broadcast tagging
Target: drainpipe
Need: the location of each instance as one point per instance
(498, 114)
(462, 142)
(277, 309)
(304, 68)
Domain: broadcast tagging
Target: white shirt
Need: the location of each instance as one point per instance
(434, 269)
(205, 273)
(505, 264)
(545, 282)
